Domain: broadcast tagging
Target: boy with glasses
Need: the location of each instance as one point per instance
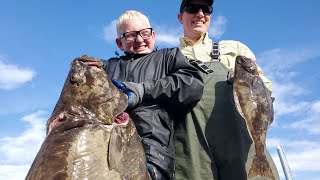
(158, 84)
(213, 141)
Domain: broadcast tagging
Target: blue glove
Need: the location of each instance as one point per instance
(121, 86)
(134, 91)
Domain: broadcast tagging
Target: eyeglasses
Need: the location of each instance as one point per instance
(132, 35)
(194, 8)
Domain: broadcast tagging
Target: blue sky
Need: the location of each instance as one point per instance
(38, 40)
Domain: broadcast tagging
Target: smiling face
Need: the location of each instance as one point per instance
(195, 24)
(139, 45)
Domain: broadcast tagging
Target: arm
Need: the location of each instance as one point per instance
(169, 80)
(180, 88)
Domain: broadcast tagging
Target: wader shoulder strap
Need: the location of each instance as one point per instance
(215, 51)
(214, 57)
(201, 66)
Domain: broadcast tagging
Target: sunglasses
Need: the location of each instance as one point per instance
(194, 8)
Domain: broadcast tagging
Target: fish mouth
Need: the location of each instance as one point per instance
(55, 122)
(67, 121)
(121, 120)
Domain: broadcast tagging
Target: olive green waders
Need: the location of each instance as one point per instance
(213, 141)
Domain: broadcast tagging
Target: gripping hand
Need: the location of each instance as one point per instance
(134, 91)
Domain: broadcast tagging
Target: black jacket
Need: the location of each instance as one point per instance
(171, 85)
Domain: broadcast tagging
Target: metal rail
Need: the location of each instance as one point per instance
(285, 165)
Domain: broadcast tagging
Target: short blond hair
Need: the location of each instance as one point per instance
(131, 15)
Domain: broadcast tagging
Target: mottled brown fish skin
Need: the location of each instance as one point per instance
(91, 88)
(254, 103)
(86, 144)
(126, 143)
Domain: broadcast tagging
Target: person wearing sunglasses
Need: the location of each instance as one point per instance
(212, 142)
(158, 84)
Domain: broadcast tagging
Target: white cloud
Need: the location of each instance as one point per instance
(169, 39)
(277, 63)
(292, 145)
(218, 27)
(168, 36)
(17, 153)
(294, 114)
(316, 107)
(13, 76)
(303, 114)
(305, 160)
(110, 32)
(310, 122)
(273, 142)
(13, 172)
(302, 156)
(285, 102)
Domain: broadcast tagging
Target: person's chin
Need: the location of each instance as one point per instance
(199, 30)
(142, 51)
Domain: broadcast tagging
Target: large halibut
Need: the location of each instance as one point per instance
(88, 135)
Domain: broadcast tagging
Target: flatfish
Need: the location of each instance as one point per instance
(89, 136)
(254, 103)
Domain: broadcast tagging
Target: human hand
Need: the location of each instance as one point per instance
(121, 86)
(253, 58)
(134, 91)
(230, 76)
(90, 61)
